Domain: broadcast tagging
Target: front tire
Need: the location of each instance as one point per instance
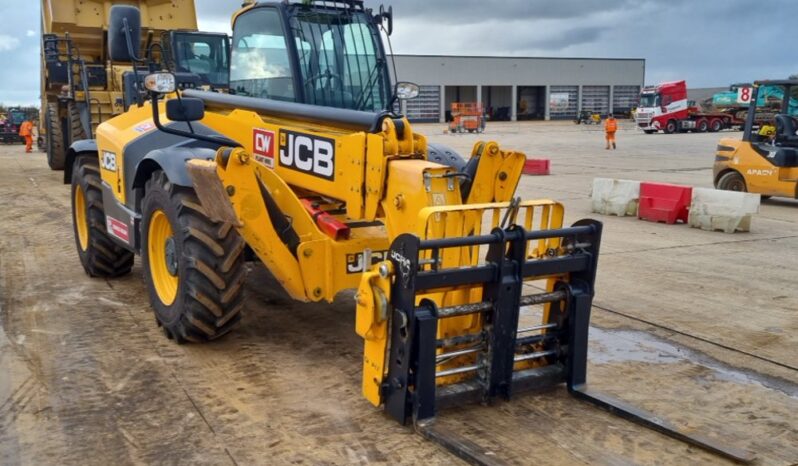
(732, 181)
(98, 254)
(193, 267)
(56, 152)
(671, 127)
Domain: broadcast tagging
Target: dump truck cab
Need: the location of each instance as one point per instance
(319, 53)
(205, 54)
(765, 160)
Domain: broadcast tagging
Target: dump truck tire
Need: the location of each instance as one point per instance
(56, 152)
(193, 267)
(99, 255)
(76, 131)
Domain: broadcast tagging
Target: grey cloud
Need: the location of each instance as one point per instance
(707, 42)
(562, 39)
(460, 11)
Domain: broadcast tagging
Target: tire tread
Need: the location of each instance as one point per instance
(210, 294)
(103, 258)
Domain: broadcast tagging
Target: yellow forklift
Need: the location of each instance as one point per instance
(765, 161)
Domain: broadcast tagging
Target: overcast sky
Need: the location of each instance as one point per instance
(707, 42)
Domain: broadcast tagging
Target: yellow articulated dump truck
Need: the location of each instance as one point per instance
(81, 86)
(465, 292)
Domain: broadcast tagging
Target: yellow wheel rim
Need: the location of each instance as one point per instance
(162, 257)
(81, 223)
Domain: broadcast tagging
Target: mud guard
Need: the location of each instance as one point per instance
(172, 161)
(78, 147)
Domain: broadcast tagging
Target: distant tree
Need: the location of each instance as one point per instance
(793, 76)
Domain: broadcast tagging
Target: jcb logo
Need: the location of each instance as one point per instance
(109, 161)
(263, 146)
(354, 262)
(308, 154)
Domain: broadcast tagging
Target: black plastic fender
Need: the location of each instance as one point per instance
(78, 147)
(172, 161)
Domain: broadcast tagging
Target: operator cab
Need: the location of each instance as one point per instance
(786, 131)
(777, 140)
(319, 53)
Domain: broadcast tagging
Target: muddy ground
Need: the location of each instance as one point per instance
(698, 327)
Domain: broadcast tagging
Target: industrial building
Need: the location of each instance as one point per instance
(521, 88)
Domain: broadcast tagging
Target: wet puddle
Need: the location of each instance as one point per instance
(619, 346)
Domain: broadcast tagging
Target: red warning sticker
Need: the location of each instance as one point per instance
(263, 146)
(117, 228)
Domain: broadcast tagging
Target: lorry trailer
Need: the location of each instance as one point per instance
(665, 107)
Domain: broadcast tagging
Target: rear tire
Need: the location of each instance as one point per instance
(732, 181)
(715, 126)
(56, 153)
(76, 130)
(193, 267)
(671, 127)
(702, 126)
(98, 254)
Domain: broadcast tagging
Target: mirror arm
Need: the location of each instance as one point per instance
(130, 50)
(133, 60)
(156, 118)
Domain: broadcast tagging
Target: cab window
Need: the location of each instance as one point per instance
(260, 66)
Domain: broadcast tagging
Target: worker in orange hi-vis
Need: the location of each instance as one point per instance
(610, 127)
(26, 131)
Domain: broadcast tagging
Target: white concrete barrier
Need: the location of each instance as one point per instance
(729, 211)
(615, 197)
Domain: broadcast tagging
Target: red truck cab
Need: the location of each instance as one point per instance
(665, 107)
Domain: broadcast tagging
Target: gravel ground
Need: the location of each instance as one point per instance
(699, 327)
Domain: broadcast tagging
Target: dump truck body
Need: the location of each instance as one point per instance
(80, 86)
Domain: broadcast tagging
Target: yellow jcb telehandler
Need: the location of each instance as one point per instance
(303, 164)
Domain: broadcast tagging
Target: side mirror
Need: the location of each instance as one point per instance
(124, 32)
(406, 90)
(387, 15)
(185, 109)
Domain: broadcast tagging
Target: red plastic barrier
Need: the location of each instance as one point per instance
(536, 167)
(662, 202)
